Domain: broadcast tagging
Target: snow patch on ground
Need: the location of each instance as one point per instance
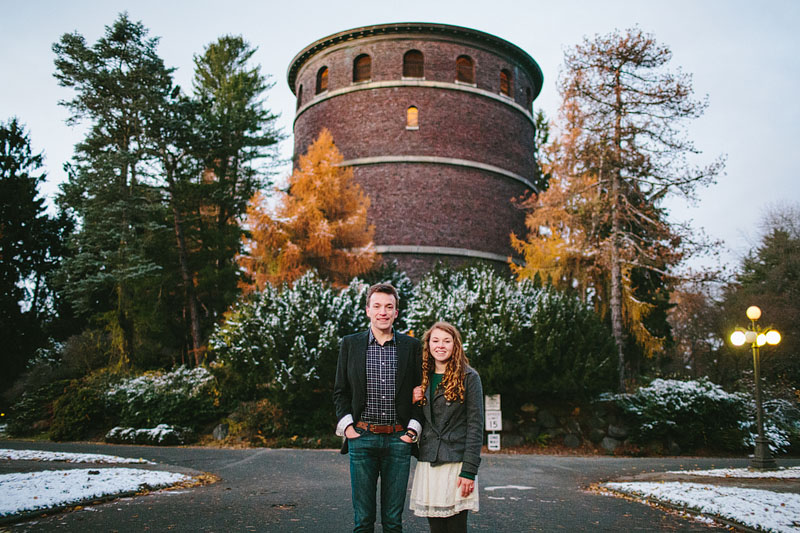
(770, 511)
(35, 455)
(781, 473)
(503, 487)
(33, 491)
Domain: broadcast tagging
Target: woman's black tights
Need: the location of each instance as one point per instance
(452, 524)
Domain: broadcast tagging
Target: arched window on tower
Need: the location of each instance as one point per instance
(465, 70)
(299, 97)
(528, 98)
(413, 64)
(322, 80)
(362, 68)
(412, 118)
(505, 82)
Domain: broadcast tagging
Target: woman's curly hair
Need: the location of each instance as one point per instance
(453, 380)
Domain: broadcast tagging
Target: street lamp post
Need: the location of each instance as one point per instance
(762, 458)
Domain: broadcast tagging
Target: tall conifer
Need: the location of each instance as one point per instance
(602, 226)
(119, 83)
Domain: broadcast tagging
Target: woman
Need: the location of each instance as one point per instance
(445, 485)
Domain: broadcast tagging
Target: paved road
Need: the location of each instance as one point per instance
(308, 491)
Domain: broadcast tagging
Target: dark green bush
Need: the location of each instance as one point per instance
(282, 345)
(77, 412)
(183, 397)
(527, 343)
(257, 421)
(694, 414)
(161, 435)
(32, 413)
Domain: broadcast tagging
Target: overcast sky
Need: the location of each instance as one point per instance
(743, 55)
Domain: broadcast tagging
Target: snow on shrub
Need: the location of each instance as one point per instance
(162, 435)
(524, 340)
(695, 414)
(184, 396)
(283, 343)
(781, 424)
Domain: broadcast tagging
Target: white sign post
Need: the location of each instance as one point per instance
(494, 421)
(492, 402)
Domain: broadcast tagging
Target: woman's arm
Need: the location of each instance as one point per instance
(474, 439)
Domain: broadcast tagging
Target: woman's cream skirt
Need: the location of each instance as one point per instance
(435, 491)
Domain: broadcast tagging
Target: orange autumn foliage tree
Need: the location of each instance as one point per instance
(622, 150)
(320, 223)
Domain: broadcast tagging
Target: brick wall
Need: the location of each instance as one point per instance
(427, 204)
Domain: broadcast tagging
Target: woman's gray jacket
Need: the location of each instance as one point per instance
(453, 431)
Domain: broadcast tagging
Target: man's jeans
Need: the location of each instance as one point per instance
(384, 455)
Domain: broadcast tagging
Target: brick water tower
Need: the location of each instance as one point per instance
(437, 123)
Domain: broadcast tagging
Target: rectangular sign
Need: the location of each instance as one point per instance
(494, 421)
(494, 442)
(492, 402)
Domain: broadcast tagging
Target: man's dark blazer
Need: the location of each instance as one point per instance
(350, 388)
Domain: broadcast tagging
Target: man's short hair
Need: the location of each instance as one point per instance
(385, 288)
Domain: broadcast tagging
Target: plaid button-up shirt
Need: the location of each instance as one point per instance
(381, 372)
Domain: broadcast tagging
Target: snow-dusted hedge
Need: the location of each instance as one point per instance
(282, 344)
(183, 397)
(161, 435)
(526, 342)
(698, 414)
(781, 425)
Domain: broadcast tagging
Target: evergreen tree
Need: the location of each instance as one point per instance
(321, 224)
(175, 135)
(769, 277)
(30, 247)
(622, 150)
(119, 85)
(236, 134)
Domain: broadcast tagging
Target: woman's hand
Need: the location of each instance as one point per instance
(418, 394)
(467, 486)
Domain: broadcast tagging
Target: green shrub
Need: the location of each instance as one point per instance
(77, 412)
(282, 345)
(257, 421)
(781, 425)
(183, 397)
(694, 414)
(526, 342)
(161, 435)
(33, 411)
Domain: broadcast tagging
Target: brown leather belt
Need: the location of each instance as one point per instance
(375, 428)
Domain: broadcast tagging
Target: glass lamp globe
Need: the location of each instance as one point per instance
(737, 338)
(773, 337)
(753, 312)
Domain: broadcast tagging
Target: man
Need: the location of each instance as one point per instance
(375, 376)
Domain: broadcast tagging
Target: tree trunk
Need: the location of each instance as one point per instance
(124, 322)
(617, 328)
(188, 282)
